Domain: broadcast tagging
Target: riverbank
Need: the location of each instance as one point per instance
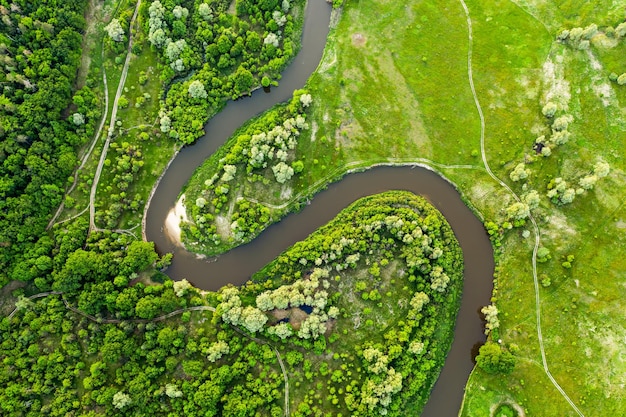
(173, 220)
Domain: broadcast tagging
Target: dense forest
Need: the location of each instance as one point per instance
(214, 54)
(41, 123)
(357, 320)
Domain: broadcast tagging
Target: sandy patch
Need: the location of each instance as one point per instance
(175, 216)
(358, 39)
(329, 59)
(515, 406)
(294, 314)
(602, 89)
(558, 229)
(222, 224)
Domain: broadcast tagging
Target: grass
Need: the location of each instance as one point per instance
(382, 94)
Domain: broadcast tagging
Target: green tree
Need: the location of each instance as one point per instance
(494, 359)
(115, 30)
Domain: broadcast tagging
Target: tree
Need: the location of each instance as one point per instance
(243, 80)
(271, 39)
(172, 391)
(543, 254)
(157, 38)
(549, 109)
(229, 172)
(121, 400)
(282, 330)
(306, 100)
(282, 172)
(174, 49)
(264, 301)
(139, 256)
(180, 12)
(494, 359)
(147, 307)
(518, 211)
(519, 172)
(560, 137)
(587, 182)
(165, 123)
(532, 199)
(439, 279)
(217, 350)
(601, 169)
(196, 90)
(253, 319)
(205, 12)
(491, 316)
(561, 122)
(181, 287)
(115, 30)
(78, 119)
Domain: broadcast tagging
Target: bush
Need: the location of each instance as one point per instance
(494, 359)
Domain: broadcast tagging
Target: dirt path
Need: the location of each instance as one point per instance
(90, 30)
(280, 362)
(282, 367)
(105, 148)
(536, 229)
(113, 321)
(96, 136)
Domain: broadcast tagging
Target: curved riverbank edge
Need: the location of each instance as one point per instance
(144, 218)
(173, 220)
(295, 203)
(238, 265)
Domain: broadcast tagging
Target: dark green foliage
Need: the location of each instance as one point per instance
(230, 55)
(40, 50)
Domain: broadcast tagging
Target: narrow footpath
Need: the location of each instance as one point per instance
(536, 229)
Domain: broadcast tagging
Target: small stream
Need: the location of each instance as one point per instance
(239, 264)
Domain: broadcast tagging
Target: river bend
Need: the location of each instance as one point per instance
(239, 264)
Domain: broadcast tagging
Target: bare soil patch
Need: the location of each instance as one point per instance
(358, 39)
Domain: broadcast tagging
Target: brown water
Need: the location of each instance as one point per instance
(239, 264)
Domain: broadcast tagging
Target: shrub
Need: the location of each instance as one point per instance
(494, 359)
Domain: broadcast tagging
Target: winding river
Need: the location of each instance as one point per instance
(239, 264)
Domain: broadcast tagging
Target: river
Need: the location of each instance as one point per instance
(239, 264)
